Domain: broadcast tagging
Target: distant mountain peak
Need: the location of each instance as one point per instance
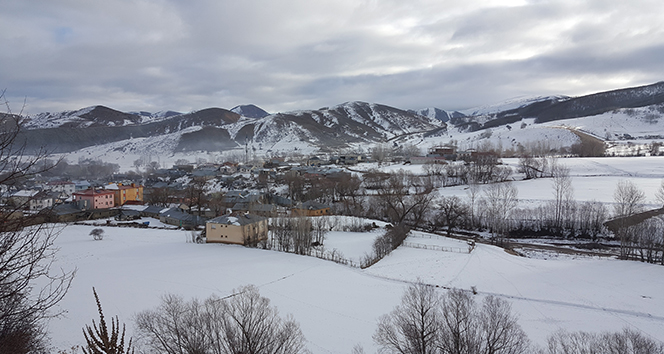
(435, 113)
(250, 111)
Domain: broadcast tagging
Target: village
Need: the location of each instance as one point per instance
(231, 196)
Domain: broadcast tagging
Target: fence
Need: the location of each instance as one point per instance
(439, 248)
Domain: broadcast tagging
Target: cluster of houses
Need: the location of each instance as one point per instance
(81, 193)
(244, 210)
(444, 154)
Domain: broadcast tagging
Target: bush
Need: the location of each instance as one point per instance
(97, 234)
(99, 340)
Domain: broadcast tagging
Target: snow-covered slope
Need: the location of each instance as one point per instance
(338, 306)
(250, 111)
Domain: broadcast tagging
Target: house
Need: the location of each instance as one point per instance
(349, 159)
(311, 208)
(81, 185)
(95, 198)
(65, 187)
(314, 161)
(238, 228)
(228, 168)
(442, 150)
(126, 193)
(153, 211)
(420, 160)
(32, 199)
(178, 217)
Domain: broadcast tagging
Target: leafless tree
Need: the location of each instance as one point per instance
(29, 287)
(399, 204)
(499, 329)
(500, 200)
(530, 166)
(628, 200)
(413, 326)
(242, 323)
(473, 193)
(628, 341)
(659, 195)
(563, 193)
(196, 193)
(459, 332)
(380, 153)
(452, 210)
(425, 322)
(591, 216)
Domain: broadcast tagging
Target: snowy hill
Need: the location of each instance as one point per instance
(250, 111)
(634, 114)
(218, 129)
(435, 113)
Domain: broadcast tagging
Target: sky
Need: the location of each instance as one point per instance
(285, 55)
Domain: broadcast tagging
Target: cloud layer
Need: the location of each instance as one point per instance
(296, 54)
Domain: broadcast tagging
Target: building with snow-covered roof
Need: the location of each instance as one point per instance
(239, 229)
(66, 187)
(32, 199)
(310, 208)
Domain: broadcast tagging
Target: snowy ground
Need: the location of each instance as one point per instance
(338, 306)
(592, 178)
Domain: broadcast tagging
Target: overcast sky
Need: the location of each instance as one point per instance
(286, 55)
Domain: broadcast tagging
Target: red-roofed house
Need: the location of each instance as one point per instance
(95, 198)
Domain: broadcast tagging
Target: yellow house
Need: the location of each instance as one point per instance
(240, 229)
(123, 194)
(311, 208)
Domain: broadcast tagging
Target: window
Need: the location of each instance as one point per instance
(213, 227)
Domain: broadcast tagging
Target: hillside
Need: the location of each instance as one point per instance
(218, 129)
(634, 115)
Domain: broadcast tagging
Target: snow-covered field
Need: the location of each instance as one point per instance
(337, 306)
(592, 178)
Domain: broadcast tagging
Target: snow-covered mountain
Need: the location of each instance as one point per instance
(250, 111)
(633, 113)
(218, 129)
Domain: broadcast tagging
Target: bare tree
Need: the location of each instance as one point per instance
(499, 329)
(659, 195)
(451, 211)
(243, 323)
(628, 200)
(500, 201)
(473, 194)
(563, 193)
(459, 332)
(29, 287)
(413, 326)
(196, 193)
(398, 203)
(628, 341)
(425, 322)
(380, 153)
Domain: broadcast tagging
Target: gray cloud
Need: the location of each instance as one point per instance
(298, 54)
